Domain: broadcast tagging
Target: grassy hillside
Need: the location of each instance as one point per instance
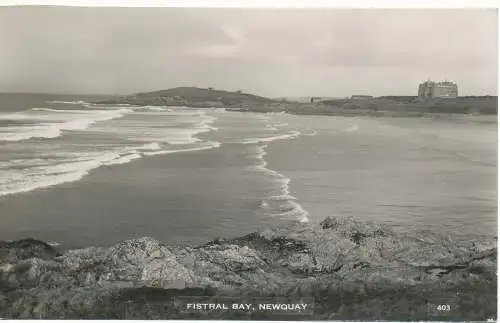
(487, 105)
(236, 100)
(200, 94)
(193, 97)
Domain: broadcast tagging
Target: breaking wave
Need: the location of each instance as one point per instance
(291, 135)
(284, 204)
(52, 125)
(36, 177)
(115, 142)
(205, 146)
(153, 109)
(276, 113)
(68, 102)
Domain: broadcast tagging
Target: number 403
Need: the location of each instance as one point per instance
(444, 307)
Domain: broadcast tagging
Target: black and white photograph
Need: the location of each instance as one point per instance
(244, 163)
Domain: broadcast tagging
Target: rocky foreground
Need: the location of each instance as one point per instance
(351, 270)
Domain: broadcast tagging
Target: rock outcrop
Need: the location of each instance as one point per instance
(352, 270)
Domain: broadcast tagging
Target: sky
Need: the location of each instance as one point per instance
(270, 52)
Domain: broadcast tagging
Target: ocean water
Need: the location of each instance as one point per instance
(81, 174)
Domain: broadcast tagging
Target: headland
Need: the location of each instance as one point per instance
(386, 106)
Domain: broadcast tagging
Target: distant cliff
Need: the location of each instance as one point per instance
(352, 270)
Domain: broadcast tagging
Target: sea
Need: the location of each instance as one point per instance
(77, 174)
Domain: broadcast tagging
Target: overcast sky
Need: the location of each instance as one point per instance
(330, 52)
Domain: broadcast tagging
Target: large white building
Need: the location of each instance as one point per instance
(442, 90)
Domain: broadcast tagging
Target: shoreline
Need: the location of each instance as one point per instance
(377, 114)
(352, 270)
(384, 106)
(332, 113)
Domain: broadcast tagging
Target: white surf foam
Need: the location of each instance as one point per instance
(26, 162)
(284, 197)
(123, 159)
(172, 136)
(68, 102)
(206, 146)
(28, 132)
(18, 181)
(50, 172)
(174, 128)
(311, 133)
(153, 109)
(294, 209)
(40, 173)
(19, 116)
(55, 123)
(298, 212)
(54, 166)
(183, 136)
(57, 110)
(271, 127)
(352, 128)
(286, 204)
(206, 124)
(151, 146)
(275, 113)
(291, 135)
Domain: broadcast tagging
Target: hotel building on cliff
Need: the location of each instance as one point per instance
(437, 90)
